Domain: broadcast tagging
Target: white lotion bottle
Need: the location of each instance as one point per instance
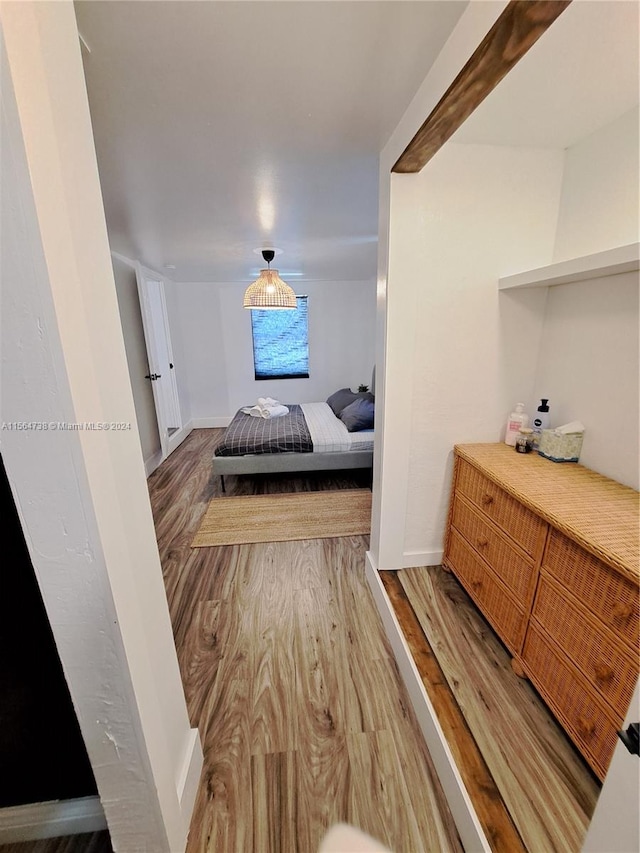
(518, 418)
(540, 420)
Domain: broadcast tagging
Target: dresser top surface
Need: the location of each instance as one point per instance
(600, 514)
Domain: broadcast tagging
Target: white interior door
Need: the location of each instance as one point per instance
(162, 373)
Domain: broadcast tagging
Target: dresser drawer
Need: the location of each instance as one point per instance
(583, 719)
(602, 590)
(499, 608)
(511, 566)
(519, 523)
(592, 648)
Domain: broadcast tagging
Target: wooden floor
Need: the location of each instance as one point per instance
(548, 790)
(290, 679)
(88, 842)
(302, 714)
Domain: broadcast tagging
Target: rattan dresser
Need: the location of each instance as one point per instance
(549, 553)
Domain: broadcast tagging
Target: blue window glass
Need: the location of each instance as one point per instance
(281, 342)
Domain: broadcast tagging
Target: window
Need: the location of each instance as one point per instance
(281, 343)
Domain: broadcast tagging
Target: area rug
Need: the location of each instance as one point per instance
(285, 517)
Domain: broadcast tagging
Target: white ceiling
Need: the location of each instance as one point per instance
(222, 127)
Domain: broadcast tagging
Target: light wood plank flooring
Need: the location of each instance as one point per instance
(548, 790)
(303, 717)
(88, 842)
(290, 679)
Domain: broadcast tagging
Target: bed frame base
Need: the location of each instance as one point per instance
(281, 463)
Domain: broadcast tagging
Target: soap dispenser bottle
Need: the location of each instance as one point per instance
(540, 420)
(517, 419)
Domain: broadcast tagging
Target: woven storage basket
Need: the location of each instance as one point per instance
(584, 721)
(498, 607)
(523, 526)
(596, 652)
(603, 590)
(581, 646)
(593, 510)
(511, 565)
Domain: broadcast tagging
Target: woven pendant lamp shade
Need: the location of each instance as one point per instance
(269, 291)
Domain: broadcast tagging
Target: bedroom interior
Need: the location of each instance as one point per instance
(454, 346)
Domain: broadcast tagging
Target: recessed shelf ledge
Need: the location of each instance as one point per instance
(610, 262)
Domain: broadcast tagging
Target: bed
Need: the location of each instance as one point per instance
(329, 436)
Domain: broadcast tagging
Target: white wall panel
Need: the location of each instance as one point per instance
(600, 191)
(472, 213)
(588, 368)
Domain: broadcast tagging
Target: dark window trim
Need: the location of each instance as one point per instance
(260, 377)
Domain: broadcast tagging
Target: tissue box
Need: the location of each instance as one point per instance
(560, 448)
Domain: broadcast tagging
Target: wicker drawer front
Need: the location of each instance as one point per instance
(595, 652)
(510, 565)
(604, 591)
(495, 604)
(580, 715)
(523, 526)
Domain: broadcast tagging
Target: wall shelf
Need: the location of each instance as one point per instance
(610, 262)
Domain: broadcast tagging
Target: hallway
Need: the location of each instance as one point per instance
(290, 680)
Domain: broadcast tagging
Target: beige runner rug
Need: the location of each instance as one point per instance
(285, 517)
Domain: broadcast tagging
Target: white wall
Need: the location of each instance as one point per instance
(588, 360)
(471, 213)
(588, 368)
(218, 352)
(83, 497)
(132, 331)
(394, 366)
(600, 191)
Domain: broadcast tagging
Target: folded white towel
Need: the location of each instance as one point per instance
(261, 411)
(274, 411)
(254, 411)
(268, 402)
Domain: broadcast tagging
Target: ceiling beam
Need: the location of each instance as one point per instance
(517, 29)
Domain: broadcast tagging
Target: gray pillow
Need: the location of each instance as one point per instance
(341, 399)
(359, 414)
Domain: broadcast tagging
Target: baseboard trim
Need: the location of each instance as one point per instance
(210, 423)
(51, 819)
(462, 811)
(415, 559)
(190, 777)
(178, 437)
(175, 440)
(152, 463)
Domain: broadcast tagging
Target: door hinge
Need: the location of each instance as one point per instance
(153, 376)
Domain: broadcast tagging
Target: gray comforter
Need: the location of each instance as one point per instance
(248, 435)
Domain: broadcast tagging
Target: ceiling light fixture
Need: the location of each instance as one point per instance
(269, 291)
